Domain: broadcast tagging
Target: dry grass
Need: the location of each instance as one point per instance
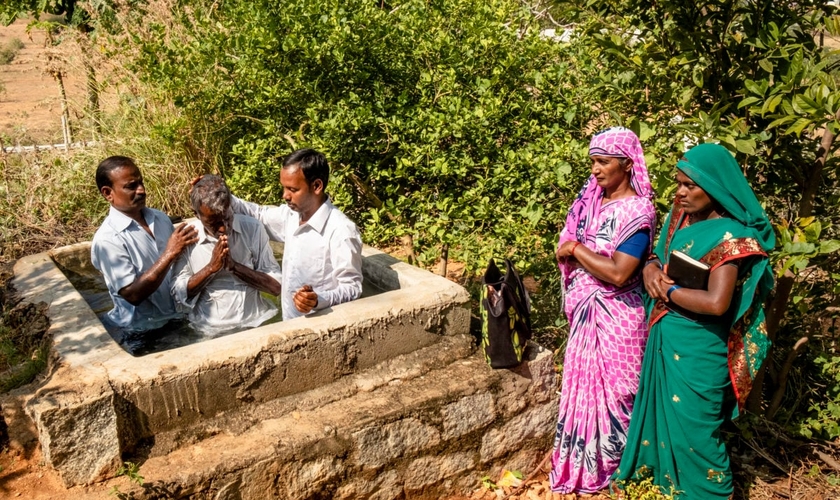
(44, 203)
(49, 199)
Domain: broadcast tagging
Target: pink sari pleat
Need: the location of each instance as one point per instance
(603, 357)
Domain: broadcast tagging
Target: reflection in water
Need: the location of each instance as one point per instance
(176, 333)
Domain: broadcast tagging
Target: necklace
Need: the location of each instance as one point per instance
(692, 218)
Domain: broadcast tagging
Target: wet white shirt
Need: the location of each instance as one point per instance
(225, 301)
(122, 251)
(325, 252)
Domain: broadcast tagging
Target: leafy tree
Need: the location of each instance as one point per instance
(757, 77)
(455, 127)
(452, 123)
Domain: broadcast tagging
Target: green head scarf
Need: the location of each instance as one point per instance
(713, 168)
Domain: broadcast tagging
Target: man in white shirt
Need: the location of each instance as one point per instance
(218, 280)
(133, 249)
(322, 256)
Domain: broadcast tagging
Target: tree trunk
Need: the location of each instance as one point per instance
(784, 286)
(65, 110)
(775, 313)
(779, 393)
(444, 259)
(812, 181)
(93, 96)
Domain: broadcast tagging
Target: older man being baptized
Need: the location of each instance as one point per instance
(218, 279)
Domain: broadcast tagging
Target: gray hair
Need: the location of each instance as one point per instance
(211, 192)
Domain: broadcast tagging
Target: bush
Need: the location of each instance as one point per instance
(10, 50)
(461, 133)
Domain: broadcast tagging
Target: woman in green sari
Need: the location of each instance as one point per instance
(705, 345)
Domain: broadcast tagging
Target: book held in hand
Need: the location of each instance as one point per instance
(688, 272)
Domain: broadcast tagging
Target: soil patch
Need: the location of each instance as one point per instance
(30, 105)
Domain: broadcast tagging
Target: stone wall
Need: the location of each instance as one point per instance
(435, 434)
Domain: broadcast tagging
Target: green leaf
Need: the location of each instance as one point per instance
(754, 87)
(781, 121)
(829, 246)
(646, 131)
(745, 146)
(766, 65)
(748, 101)
(803, 104)
(800, 247)
(697, 76)
(798, 126)
(771, 104)
(812, 231)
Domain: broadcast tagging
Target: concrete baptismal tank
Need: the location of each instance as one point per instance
(384, 397)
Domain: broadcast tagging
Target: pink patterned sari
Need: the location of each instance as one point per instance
(607, 329)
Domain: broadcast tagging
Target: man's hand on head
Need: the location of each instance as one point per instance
(183, 236)
(305, 299)
(194, 181)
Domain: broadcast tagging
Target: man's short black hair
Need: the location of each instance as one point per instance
(108, 165)
(312, 163)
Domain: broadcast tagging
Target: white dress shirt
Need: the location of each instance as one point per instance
(122, 251)
(226, 302)
(325, 252)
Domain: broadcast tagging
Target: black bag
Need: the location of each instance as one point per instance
(505, 316)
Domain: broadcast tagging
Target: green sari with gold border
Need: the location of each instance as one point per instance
(698, 369)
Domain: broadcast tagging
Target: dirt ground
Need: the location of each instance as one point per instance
(30, 105)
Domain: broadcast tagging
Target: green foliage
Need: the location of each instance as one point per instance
(756, 77)
(643, 488)
(823, 418)
(131, 471)
(49, 198)
(19, 9)
(464, 133)
(487, 482)
(457, 124)
(801, 243)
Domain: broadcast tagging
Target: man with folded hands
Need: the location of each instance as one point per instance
(218, 280)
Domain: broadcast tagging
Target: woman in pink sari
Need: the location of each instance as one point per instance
(608, 233)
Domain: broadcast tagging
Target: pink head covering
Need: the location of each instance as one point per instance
(615, 142)
(623, 143)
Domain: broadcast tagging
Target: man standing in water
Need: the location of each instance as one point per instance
(322, 256)
(134, 249)
(219, 279)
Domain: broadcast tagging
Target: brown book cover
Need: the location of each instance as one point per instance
(688, 272)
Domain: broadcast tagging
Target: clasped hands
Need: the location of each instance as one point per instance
(221, 259)
(305, 298)
(565, 253)
(656, 281)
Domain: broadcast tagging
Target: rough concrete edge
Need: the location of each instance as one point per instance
(42, 279)
(44, 282)
(523, 446)
(74, 327)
